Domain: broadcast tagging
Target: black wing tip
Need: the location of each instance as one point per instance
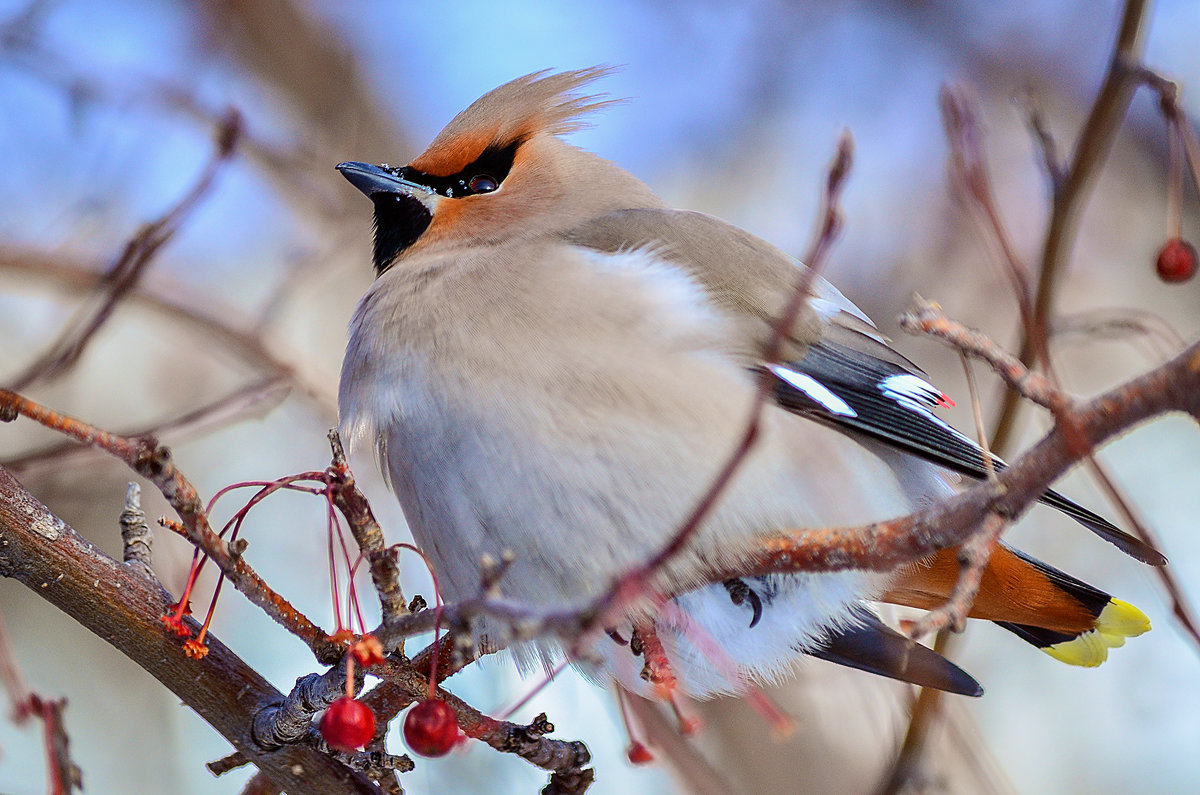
(873, 414)
(1131, 545)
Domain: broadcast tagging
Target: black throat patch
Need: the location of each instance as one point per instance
(399, 220)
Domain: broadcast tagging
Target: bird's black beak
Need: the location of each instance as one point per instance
(403, 208)
(379, 179)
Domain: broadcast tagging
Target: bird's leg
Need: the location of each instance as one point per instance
(658, 672)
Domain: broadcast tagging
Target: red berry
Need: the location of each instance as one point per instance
(1176, 261)
(348, 724)
(430, 728)
(638, 754)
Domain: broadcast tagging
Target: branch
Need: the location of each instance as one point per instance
(137, 255)
(153, 461)
(566, 760)
(1091, 150)
(123, 607)
(881, 546)
(385, 573)
(927, 318)
(255, 398)
(162, 297)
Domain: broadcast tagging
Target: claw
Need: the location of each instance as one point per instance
(740, 593)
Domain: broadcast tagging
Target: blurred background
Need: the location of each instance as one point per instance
(231, 341)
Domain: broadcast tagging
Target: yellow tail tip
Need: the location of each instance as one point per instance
(1122, 619)
(1117, 621)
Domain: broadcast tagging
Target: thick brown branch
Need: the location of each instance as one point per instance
(566, 760)
(1175, 386)
(290, 720)
(153, 462)
(123, 607)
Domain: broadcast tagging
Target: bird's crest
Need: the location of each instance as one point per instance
(536, 103)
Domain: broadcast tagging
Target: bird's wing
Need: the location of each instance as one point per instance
(839, 369)
(745, 275)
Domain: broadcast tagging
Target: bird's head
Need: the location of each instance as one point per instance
(497, 171)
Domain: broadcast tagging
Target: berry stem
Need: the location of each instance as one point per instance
(1175, 139)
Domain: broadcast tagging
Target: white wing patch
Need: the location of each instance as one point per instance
(815, 390)
(914, 392)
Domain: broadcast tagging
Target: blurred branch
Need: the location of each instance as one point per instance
(257, 398)
(120, 279)
(123, 607)
(960, 117)
(1091, 150)
(303, 60)
(1121, 323)
(64, 776)
(163, 300)
(289, 167)
(1180, 605)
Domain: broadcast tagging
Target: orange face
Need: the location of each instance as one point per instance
(484, 177)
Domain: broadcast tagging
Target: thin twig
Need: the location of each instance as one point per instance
(214, 323)
(973, 557)
(139, 252)
(385, 573)
(153, 461)
(960, 117)
(123, 607)
(1048, 147)
(1161, 338)
(1180, 605)
(225, 764)
(1091, 150)
(135, 533)
(251, 400)
(927, 318)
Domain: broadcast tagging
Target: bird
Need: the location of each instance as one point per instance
(553, 364)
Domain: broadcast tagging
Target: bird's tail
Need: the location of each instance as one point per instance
(1063, 616)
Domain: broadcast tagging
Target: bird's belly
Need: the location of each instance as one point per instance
(580, 490)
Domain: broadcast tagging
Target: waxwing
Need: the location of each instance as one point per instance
(553, 363)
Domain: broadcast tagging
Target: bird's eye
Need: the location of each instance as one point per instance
(482, 183)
